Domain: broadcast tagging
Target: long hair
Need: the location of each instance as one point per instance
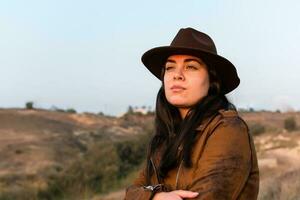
(172, 132)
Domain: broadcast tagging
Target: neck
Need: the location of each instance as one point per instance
(183, 112)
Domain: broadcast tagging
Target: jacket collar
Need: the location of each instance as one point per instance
(222, 112)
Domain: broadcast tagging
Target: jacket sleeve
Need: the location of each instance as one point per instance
(136, 191)
(224, 164)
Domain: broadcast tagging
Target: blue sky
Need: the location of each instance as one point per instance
(86, 54)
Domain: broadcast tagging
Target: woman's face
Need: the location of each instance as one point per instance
(186, 80)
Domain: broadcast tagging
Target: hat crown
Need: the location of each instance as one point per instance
(191, 38)
(189, 41)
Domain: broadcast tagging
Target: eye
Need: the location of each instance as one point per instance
(167, 68)
(191, 67)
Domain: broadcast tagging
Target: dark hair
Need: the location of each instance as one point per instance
(174, 136)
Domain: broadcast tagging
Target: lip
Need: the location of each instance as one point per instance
(177, 88)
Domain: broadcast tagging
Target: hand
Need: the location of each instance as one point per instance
(175, 195)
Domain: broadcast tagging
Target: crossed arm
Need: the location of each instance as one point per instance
(221, 171)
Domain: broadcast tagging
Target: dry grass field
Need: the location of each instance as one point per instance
(37, 145)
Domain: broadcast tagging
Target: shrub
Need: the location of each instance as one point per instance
(290, 124)
(101, 113)
(18, 151)
(131, 153)
(251, 110)
(95, 172)
(100, 170)
(29, 105)
(256, 129)
(71, 110)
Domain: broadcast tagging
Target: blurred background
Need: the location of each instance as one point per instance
(74, 90)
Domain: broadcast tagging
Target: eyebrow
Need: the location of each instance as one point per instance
(186, 60)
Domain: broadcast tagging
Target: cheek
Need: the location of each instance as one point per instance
(167, 85)
(200, 87)
(167, 82)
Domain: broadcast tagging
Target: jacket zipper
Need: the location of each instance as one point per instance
(155, 171)
(177, 175)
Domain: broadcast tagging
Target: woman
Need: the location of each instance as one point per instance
(201, 148)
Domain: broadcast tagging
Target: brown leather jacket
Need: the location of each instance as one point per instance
(224, 164)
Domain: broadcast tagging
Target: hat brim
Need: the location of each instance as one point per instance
(154, 59)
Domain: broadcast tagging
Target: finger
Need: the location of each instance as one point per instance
(186, 193)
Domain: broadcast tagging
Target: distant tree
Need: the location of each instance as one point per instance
(251, 110)
(29, 105)
(290, 124)
(130, 110)
(60, 110)
(100, 113)
(71, 110)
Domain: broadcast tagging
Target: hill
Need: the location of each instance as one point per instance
(41, 149)
(37, 146)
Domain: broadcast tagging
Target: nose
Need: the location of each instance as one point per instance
(178, 75)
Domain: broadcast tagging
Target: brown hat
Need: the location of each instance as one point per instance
(189, 41)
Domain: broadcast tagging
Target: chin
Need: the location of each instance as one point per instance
(181, 103)
(178, 103)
